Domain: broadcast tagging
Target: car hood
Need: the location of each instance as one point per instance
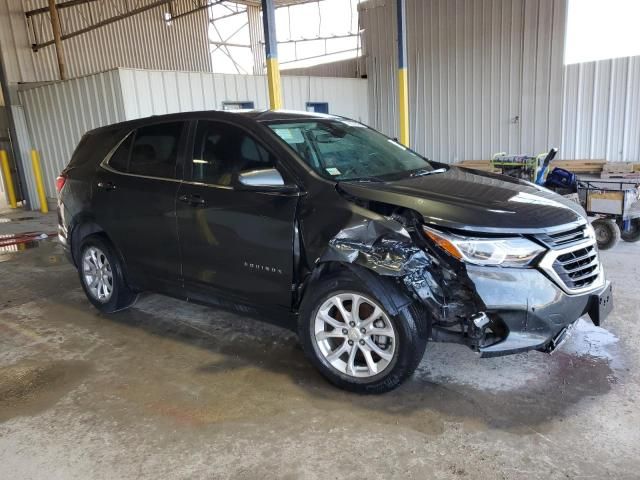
(474, 201)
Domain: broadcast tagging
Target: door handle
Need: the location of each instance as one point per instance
(107, 186)
(193, 200)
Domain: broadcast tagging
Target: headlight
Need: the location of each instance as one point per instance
(508, 252)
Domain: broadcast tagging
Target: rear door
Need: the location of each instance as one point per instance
(234, 241)
(135, 202)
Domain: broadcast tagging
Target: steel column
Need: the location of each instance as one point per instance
(271, 50)
(21, 183)
(403, 84)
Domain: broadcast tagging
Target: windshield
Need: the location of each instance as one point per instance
(347, 150)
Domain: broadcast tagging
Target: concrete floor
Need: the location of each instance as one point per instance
(174, 390)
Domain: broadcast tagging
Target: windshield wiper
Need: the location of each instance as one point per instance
(364, 180)
(369, 179)
(423, 173)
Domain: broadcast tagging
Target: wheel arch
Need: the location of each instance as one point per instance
(81, 228)
(388, 291)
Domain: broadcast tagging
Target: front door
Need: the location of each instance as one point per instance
(135, 203)
(234, 242)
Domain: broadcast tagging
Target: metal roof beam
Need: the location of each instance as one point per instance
(38, 45)
(70, 3)
(206, 5)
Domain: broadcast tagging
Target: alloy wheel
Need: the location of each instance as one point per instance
(354, 335)
(97, 274)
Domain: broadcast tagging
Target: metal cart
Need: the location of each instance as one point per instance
(616, 206)
(614, 203)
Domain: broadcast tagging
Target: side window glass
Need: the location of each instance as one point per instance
(221, 151)
(155, 150)
(120, 158)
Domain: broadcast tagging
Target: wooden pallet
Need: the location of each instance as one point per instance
(617, 170)
(629, 175)
(618, 167)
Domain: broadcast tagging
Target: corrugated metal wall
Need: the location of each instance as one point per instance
(256, 38)
(350, 68)
(602, 110)
(474, 66)
(141, 41)
(58, 114)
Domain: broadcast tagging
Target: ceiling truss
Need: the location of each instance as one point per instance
(94, 14)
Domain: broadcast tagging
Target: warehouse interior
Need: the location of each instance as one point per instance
(170, 389)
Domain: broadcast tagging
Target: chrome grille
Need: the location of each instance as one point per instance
(564, 238)
(578, 268)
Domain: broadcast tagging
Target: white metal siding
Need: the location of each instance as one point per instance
(602, 110)
(148, 92)
(58, 114)
(141, 41)
(474, 65)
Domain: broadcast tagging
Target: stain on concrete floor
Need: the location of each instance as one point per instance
(29, 387)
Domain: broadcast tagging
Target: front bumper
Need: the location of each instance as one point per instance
(532, 311)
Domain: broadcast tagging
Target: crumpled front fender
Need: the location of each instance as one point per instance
(385, 247)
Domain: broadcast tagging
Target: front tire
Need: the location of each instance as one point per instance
(354, 341)
(102, 277)
(607, 233)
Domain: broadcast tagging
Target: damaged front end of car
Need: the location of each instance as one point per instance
(485, 292)
(394, 247)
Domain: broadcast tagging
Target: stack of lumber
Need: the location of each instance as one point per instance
(484, 165)
(579, 166)
(576, 166)
(595, 167)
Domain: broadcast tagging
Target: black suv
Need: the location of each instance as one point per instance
(324, 226)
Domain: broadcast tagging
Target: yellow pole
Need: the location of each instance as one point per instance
(403, 85)
(6, 173)
(273, 78)
(37, 172)
(403, 94)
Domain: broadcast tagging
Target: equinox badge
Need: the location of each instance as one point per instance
(262, 268)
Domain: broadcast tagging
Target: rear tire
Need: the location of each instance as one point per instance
(633, 234)
(607, 233)
(378, 351)
(101, 275)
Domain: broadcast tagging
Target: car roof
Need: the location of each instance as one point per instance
(256, 115)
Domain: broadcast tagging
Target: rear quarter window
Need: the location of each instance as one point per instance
(94, 147)
(120, 158)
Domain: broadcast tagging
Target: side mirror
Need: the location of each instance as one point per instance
(267, 178)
